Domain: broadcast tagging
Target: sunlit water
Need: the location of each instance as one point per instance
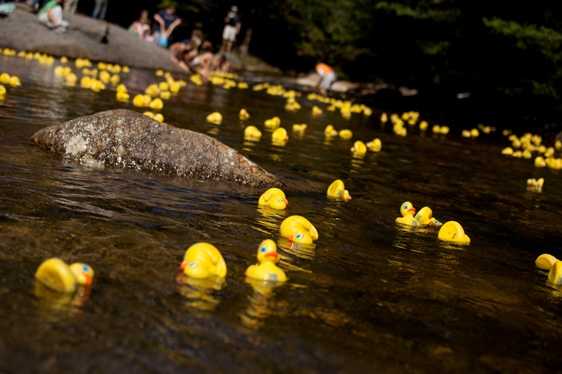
(368, 297)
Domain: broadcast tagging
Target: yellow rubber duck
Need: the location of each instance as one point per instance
(375, 145)
(243, 115)
(424, 217)
(316, 111)
(122, 96)
(266, 269)
(345, 134)
(252, 133)
(215, 118)
(540, 162)
(299, 230)
(359, 149)
(545, 261)
(535, 185)
(156, 104)
(203, 260)
(141, 101)
(58, 276)
(273, 198)
(424, 125)
(330, 132)
(280, 137)
(453, 232)
(555, 274)
(272, 123)
(165, 95)
(2, 91)
(507, 151)
(299, 129)
(408, 211)
(337, 191)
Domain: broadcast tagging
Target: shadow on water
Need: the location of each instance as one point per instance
(369, 296)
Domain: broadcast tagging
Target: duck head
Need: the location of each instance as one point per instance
(407, 209)
(274, 198)
(337, 191)
(202, 260)
(83, 273)
(299, 230)
(267, 252)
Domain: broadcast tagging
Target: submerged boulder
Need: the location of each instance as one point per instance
(127, 139)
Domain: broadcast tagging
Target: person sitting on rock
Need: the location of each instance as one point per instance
(327, 77)
(141, 27)
(202, 64)
(168, 21)
(51, 15)
(183, 53)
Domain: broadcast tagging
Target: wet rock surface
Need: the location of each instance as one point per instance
(127, 139)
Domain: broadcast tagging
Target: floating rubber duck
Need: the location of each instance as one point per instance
(507, 151)
(156, 104)
(272, 123)
(316, 111)
(122, 96)
(165, 95)
(408, 211)
(2, 91)
(545, 261)
(337, 191)
(555, 274)
(71, 79)
(424, 217)
(359, 149)
(299, 230)
(141, 101)
(453, 232)
(243, 115)
(203, 260)
(540, 162)
(299, 129)
(58, 276)
(252, 133)
(535, 185)
(345, 134)
(266, 269)
(273, 198)
(158, 117)
(280, 137)
(330, 132)
(215, 118)
(424, 125)
(375, 145)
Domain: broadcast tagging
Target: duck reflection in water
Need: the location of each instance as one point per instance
(200, 293)
(57, 305)
(262, 303)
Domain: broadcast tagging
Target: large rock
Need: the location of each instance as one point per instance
(127, 139)
(22, 31)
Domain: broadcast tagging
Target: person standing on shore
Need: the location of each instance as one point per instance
(168, 22)
(100, 9)
(51, 15)
(327, 77)
(70, 6)
(231, 29)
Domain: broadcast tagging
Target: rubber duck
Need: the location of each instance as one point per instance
(345, 134)
(215, 118)
(165, 95)
(58, 276)
(299, 230)
(316, 111)
(14, 81)
(337, 191)
(71, 79)
(243, 115)
(122, 96)
(2, 91)
(545, 261)
(474, 133)
(203, 260)
(299, 129)
(252, 133)
(540, 162)
(156, 104)
(424, 125)
(535, 185)
(424, 217)
(330, 132)
(507, 151)
(141, 100)
(453, 232)
(375, 145)
(273, 198)
(158, 117)
(272, 123)
(280, 137)
(408, 211)
(359, 149)
(266, 269)
(555, 274)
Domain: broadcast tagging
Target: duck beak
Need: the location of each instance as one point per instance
(88, 282)
(183, 265)
(273, 255)
(286, 201)
(412, 210)
(292, 238)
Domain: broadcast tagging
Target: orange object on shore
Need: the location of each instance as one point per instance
(324, 69)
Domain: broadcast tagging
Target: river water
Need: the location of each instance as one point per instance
(370, 297)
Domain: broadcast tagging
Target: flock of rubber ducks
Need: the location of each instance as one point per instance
(203, 260)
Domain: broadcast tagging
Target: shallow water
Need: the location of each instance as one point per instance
(368, 297)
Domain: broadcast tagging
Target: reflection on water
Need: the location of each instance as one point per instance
(368, 296)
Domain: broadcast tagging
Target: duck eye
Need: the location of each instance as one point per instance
(85, 268)
(263, 249)
(299, 236)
